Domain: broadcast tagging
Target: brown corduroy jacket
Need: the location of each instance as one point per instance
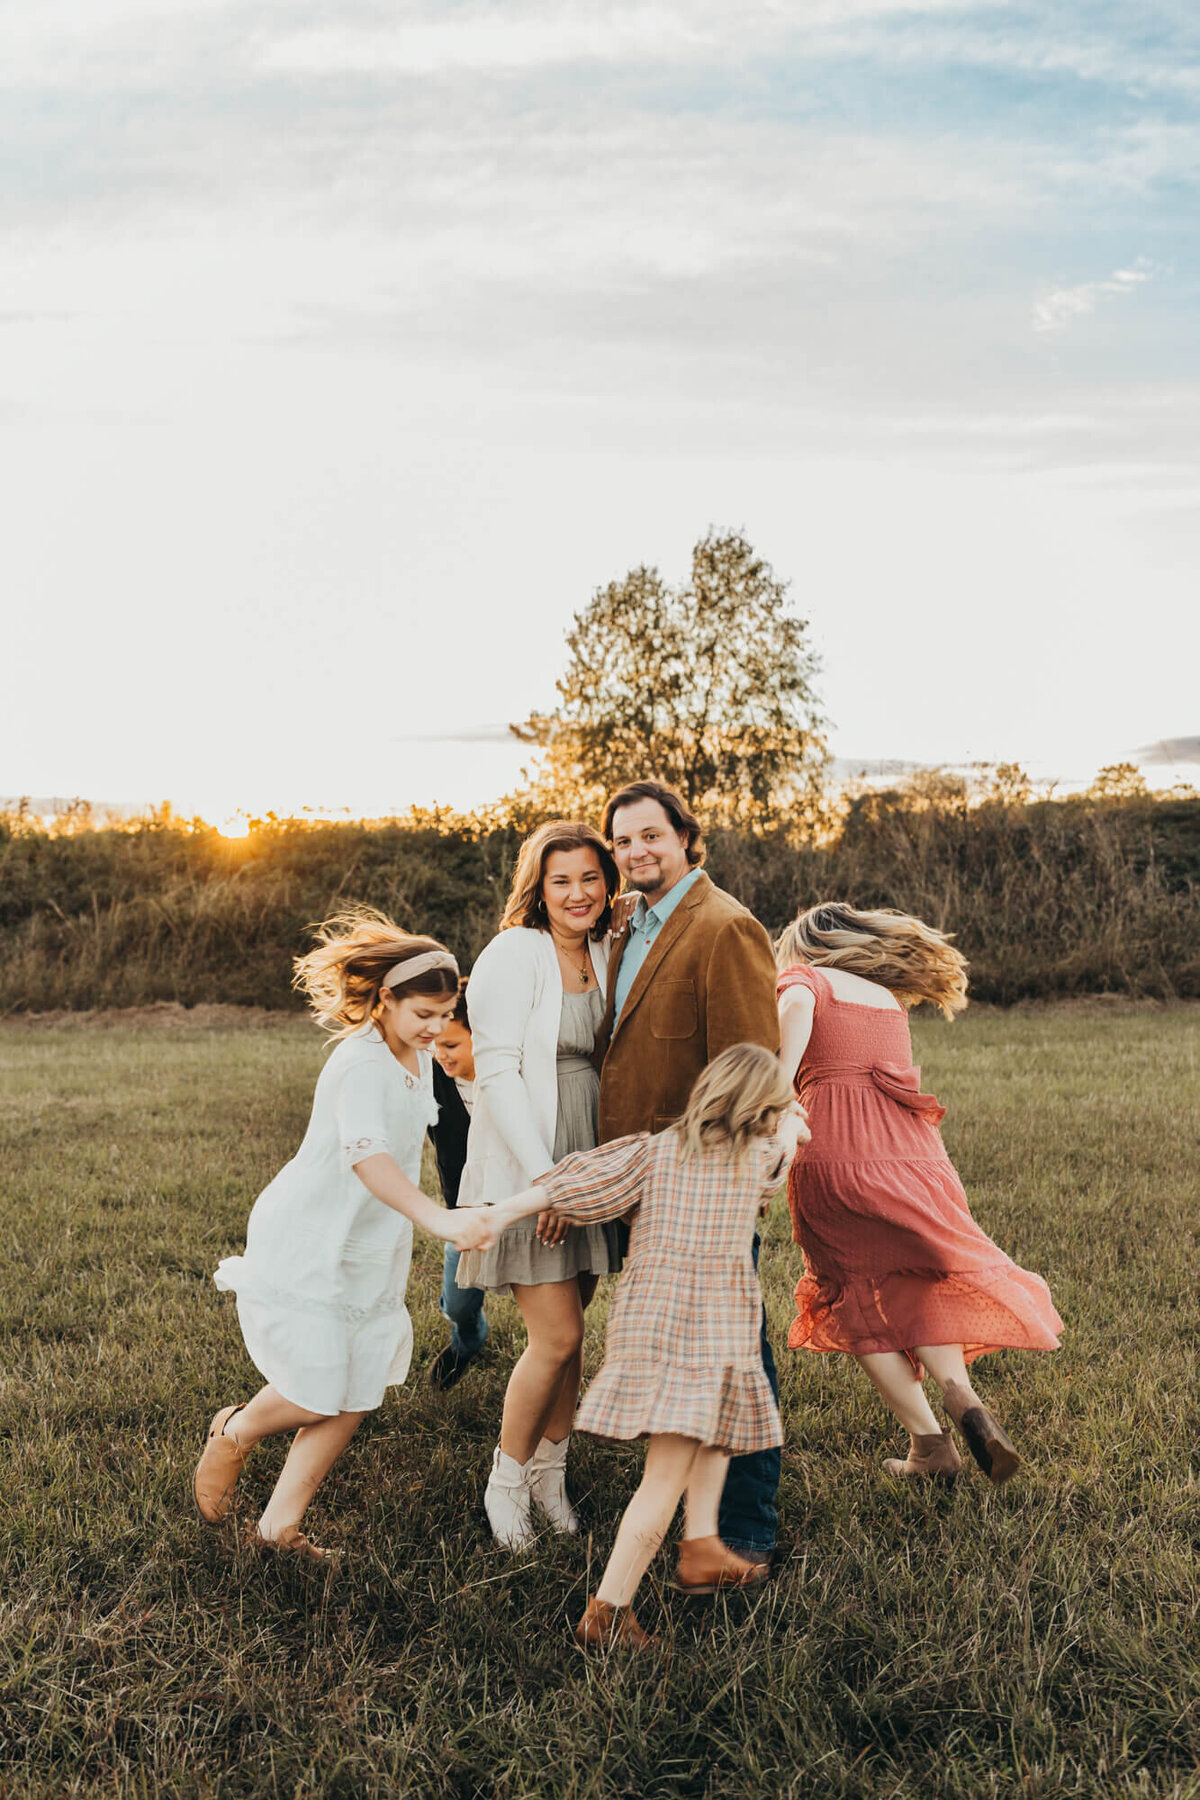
(708, 981)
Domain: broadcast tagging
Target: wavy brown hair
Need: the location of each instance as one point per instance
(911, 959)
(525, 905)
(737, 1098)
(342, 976)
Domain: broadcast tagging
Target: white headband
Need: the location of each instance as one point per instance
(419, 965)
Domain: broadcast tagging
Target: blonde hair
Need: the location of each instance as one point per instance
(342, 977)
(526, 904)
(911, 959)
(736, 1099)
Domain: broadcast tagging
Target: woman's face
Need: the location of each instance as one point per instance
(573, 890)
(415, 1020)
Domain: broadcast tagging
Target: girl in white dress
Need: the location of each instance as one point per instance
(320, 1288)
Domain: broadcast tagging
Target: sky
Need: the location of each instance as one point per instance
(345, 349)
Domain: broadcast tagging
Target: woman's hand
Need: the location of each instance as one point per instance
(552, 1228)
(473, 1228)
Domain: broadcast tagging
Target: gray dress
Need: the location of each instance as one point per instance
(517, 1255)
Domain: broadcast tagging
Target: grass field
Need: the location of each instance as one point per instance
(1042, 1640)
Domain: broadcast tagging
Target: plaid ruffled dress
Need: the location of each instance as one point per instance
(682, 1352)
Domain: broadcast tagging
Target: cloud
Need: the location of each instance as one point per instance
(1170, 750)
(488, 40)
(1122, 50)
(467, 734)
(1005, 426)
(1060, 307)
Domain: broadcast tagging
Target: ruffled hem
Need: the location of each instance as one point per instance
(984, 1310)
(326, 1365)
(728, 1408)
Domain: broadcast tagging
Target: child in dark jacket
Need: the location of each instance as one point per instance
(454, 1091)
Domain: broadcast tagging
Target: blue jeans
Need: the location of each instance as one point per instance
(464, 1309)
(748, 1517)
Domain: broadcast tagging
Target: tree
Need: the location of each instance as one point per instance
(1119, 781)
(708, 685)
(1008, 786)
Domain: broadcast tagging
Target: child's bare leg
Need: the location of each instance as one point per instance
(945, 1363)
(896, 1379)
(702, 1501)
(315, 1449)
(267, 1414)
(669, 1460)
(985, 1437)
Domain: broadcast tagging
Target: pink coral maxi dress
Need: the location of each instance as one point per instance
(892, 1256)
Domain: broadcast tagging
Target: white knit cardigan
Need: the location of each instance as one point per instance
(515, 1002)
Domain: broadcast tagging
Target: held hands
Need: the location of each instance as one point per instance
(474, 1227)
(792, 1129)
(551, 1228)
(790, 1132)
(478, 1227)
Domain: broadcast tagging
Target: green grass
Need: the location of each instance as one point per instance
(1041, 1640)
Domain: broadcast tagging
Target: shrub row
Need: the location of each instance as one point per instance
(1053, 898)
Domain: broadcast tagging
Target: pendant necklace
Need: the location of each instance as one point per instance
(584, 971)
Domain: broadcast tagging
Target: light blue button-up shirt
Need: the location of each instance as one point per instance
(644, 927)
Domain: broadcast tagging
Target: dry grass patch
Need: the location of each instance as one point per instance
(1041, 1641)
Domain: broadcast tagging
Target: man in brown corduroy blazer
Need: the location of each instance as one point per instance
(691, 972)
(707, 980)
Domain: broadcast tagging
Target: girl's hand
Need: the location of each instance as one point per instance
(792, 1129)
(552, 1228)
(473, 1228)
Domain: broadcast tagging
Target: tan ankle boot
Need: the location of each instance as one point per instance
(930, 1453)
(218, 1469)
(983, 1434)
(603, 1625)
(707, 1564)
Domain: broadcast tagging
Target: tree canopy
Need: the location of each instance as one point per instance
(708, 685)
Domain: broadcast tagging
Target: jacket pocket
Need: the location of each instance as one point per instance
(673, 1009)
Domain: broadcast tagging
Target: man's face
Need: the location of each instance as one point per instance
(649, 852)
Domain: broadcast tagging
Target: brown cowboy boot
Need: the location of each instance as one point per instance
(985, 1437)
(930, 1453)
(707, 1564)
(218, 1469)
(603, 1625)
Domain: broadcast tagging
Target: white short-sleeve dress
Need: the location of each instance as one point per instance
(320, 1288)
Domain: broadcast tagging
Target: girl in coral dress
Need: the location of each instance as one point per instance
(896, 1271)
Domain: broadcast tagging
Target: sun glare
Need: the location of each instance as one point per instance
(238, 826)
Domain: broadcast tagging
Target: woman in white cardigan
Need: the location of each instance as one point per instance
(536, 998)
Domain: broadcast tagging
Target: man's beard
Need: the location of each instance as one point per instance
(646, 882)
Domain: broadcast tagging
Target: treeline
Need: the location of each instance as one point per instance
(1049, 898)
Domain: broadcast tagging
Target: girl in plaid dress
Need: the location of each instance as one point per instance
(682, 1365)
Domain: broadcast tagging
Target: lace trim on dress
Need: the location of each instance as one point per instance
(295, 1304)
(362, 1147)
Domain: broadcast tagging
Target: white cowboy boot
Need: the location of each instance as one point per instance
(548, 1485)
(506, 1502)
